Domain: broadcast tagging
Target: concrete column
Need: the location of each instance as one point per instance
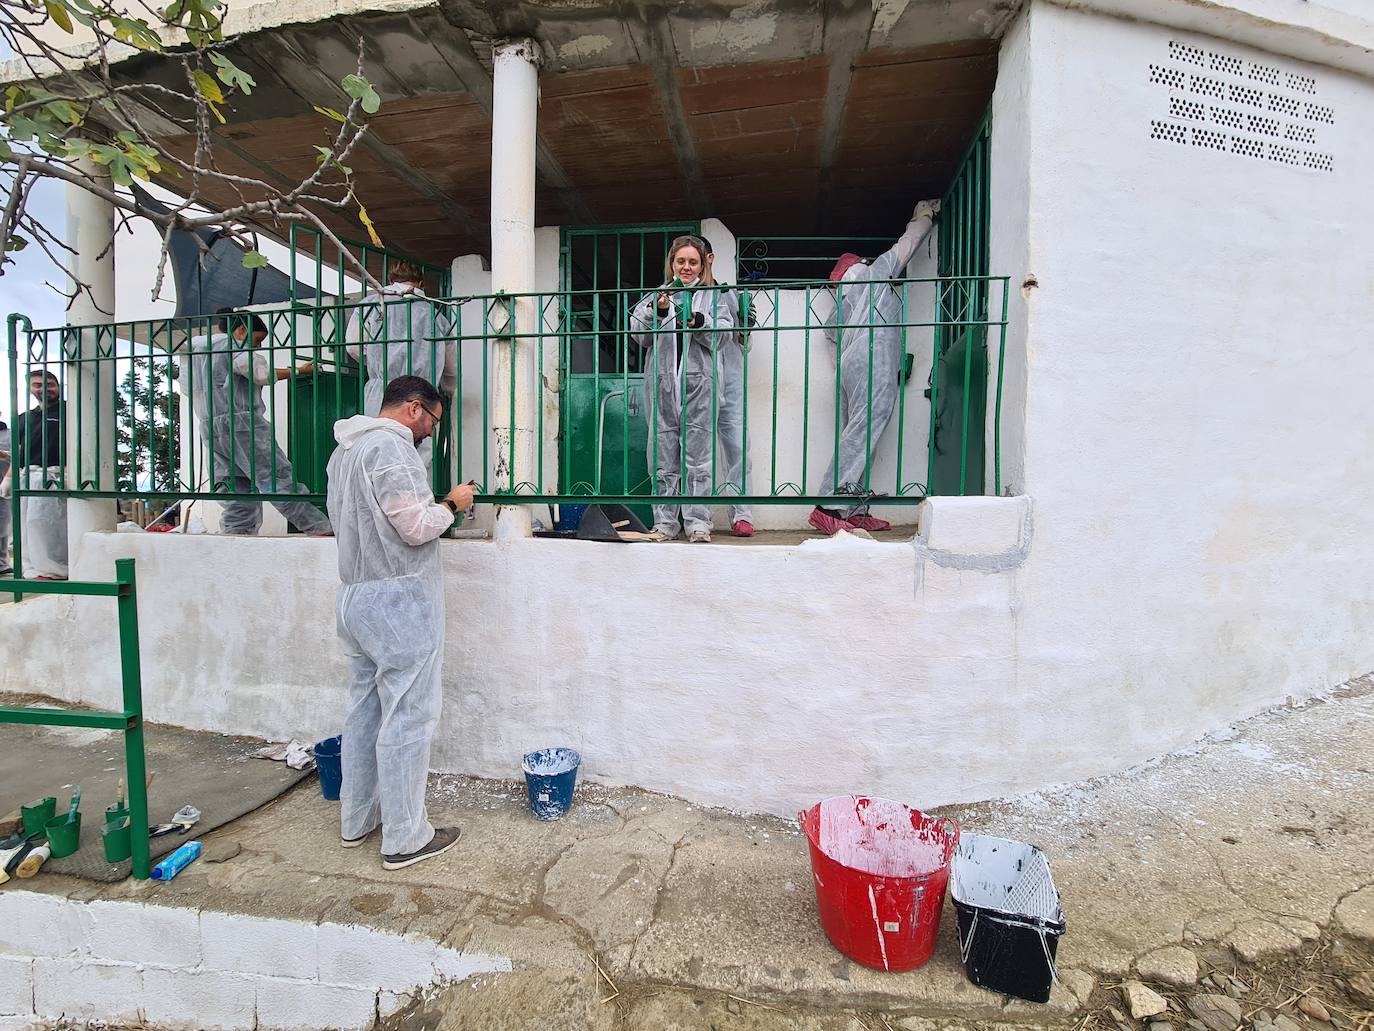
(90, 387)
(515, 108)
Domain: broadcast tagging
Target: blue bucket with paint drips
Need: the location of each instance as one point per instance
(550, 776)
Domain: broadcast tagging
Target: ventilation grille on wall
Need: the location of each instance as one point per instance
(1225, 94)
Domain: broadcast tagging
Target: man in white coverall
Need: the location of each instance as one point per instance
(390, 616)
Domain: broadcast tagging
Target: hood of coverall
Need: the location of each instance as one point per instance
(349, 431)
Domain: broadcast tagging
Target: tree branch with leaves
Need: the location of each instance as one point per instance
(69, 116)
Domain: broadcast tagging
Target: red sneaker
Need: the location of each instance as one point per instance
(742, 528)
(870, 523)
(827, 523)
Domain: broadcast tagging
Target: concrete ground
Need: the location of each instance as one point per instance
(1247, 861)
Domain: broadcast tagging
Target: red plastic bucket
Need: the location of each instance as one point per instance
(880, 870)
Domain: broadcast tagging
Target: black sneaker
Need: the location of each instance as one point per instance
(444, 839)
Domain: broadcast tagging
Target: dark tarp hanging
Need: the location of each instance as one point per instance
(223, 282)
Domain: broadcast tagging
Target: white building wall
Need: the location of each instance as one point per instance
(759, 678)
(1197, 361)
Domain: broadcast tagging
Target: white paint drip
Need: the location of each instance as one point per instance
(878, 926)
(742, 31)
(886, 14)
(584, 47)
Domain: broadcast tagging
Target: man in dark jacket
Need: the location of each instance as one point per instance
(38, 459)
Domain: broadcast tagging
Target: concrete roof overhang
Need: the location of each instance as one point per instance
(781, 117)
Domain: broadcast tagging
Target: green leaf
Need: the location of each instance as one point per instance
(322, 154)
(252, 259)
(15, 243)
(362, 91)
(6, 154)
(63, 111)
(329, 112)
(57, 11)
(355, 86)
(135, 32)
(367, 224)
(231, 74)
(208, 87)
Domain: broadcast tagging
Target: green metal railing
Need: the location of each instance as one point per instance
(791, 407)
(128, 720)
(961, 346)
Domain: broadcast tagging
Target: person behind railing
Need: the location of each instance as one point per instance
(683, 328)
(5, 567)
(736, 469)
(400, 332)
(390, 619)
(39, 455)
(869, 317)
(228, 373)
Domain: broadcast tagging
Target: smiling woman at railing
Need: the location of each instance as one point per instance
(684, 322)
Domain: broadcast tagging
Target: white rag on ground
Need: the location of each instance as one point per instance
(293, 753)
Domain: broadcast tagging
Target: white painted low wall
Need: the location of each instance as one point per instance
(758, 677)
(131, 963)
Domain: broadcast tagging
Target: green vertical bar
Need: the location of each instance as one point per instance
(132, 684)
(937, 337)
(16, 523)
(743, 316)
(80, 409)
(997, 413)
(715, 381)
(901, 387)
(514, 358)
(683, 344)
(623, 340)
(806, 380)
(486, 396)
(651, 395)
(456, 329)
(152, 415)
(567, 314)
(839, 354)
(538, 343)
(963, 431)
(868, 430)
(597, 300)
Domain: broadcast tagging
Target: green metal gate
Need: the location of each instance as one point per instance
(603, 435)
(958, 391)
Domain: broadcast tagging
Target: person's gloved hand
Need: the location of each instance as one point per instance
(926, 209)
(5, 487)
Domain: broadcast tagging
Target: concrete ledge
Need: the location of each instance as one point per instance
(975, 526)
(207, 970)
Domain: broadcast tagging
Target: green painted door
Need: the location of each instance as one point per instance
(959, 380)
(603, 433)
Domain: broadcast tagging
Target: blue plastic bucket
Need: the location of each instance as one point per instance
(550, 775)
(569, 518)
(329, 767)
